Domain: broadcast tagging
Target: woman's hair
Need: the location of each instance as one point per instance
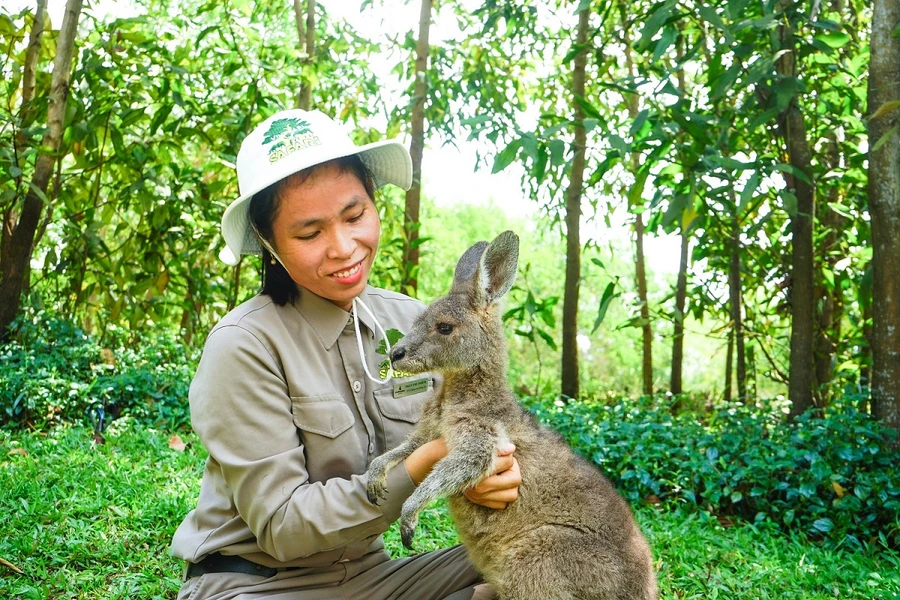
(276, 282)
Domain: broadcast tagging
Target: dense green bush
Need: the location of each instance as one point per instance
(833, 476)
(52, 371)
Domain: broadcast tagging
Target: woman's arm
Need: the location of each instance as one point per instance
(495, 491)
(241, 409)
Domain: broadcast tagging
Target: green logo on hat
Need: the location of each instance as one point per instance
(287, 136)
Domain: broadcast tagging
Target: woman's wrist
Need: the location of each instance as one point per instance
(422, 460)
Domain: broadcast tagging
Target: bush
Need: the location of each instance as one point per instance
(53, 372)
(833, 477)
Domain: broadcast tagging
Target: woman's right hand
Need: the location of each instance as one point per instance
(421, 461)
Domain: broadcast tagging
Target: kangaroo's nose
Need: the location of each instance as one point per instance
(397, 354)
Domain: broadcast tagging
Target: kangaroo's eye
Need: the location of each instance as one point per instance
(444, 328)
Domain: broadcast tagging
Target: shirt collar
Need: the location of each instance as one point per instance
(328, 320)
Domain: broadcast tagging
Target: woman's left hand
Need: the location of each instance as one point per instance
(501, 488)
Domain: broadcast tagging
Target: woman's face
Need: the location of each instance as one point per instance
(326, 231)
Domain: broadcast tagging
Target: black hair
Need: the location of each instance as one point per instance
(276, 282)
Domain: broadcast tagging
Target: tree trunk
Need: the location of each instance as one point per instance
(307, 37)
(865, 354)
(680, 298)
(646, 331)
(736, 304)
(573, 219)
(14, 264)
(640, 271)
(31, 58)
(681, 285)
(729, 365)
(410, 282)
(25, 111)
(830, 308)
(884, 209)
(793, 129)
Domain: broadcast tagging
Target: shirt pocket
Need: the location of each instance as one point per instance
(400, 412)
(325, 424)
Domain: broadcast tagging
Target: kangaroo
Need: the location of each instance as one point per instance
(569, 535)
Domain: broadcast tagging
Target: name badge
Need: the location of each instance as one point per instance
(408, 388)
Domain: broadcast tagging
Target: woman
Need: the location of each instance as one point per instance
(288, 399)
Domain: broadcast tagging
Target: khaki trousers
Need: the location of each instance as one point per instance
(440, 575)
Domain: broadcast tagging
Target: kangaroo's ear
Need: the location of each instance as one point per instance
(497, 269)
(467, 267)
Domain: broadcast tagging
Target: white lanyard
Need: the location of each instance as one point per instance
(359, 344)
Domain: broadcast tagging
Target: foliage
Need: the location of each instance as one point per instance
(53, 372)
(830, 477)
(94, 521)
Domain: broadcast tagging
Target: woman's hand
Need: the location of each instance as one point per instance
(501, 488)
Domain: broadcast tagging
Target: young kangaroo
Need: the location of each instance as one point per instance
(569, 535)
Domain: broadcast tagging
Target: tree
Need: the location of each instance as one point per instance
(735, 299)
(416, 150)
(573, 215)
(675, 384)
(792, 128)
(884, 207)
(636, 205)
(307, 40)
(14, 262)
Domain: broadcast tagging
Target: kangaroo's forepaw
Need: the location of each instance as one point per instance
(376, 490)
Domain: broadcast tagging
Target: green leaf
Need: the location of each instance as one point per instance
(557, 152)
(393, 336)
(748, 192)
(834, 39)
(885, 108)
(791, 169)
(588, 108)
(884, 139)
(637, 190)
(654, 24)
(160, 116)
(546, 337)
(639, 121)
(789, 200)
(506, 156)
(608, 296)
(823, 525)
(665, 41)
(582, 5)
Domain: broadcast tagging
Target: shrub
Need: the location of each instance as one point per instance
(833, 476)
(52, 372)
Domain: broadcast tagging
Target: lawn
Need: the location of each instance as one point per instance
(83, 519)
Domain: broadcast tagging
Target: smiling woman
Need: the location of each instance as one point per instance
(323, 227)
(284, 400)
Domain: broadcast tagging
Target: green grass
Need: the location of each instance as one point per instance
(88, 520)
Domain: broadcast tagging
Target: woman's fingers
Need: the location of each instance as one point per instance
(498, 490)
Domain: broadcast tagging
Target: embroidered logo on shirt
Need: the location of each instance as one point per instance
(288, 136)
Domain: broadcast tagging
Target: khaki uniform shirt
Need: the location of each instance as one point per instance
(281, 402)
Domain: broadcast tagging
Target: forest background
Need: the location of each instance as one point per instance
(752, 144)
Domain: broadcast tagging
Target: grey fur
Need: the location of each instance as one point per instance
(570, 535)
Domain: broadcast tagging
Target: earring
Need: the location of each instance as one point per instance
(272, 260)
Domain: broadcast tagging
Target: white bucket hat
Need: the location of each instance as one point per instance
(290, 141)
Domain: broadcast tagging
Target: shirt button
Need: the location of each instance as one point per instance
(357, 386)
(371, 447)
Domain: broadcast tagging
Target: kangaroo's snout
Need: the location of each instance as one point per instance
(397, 354)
